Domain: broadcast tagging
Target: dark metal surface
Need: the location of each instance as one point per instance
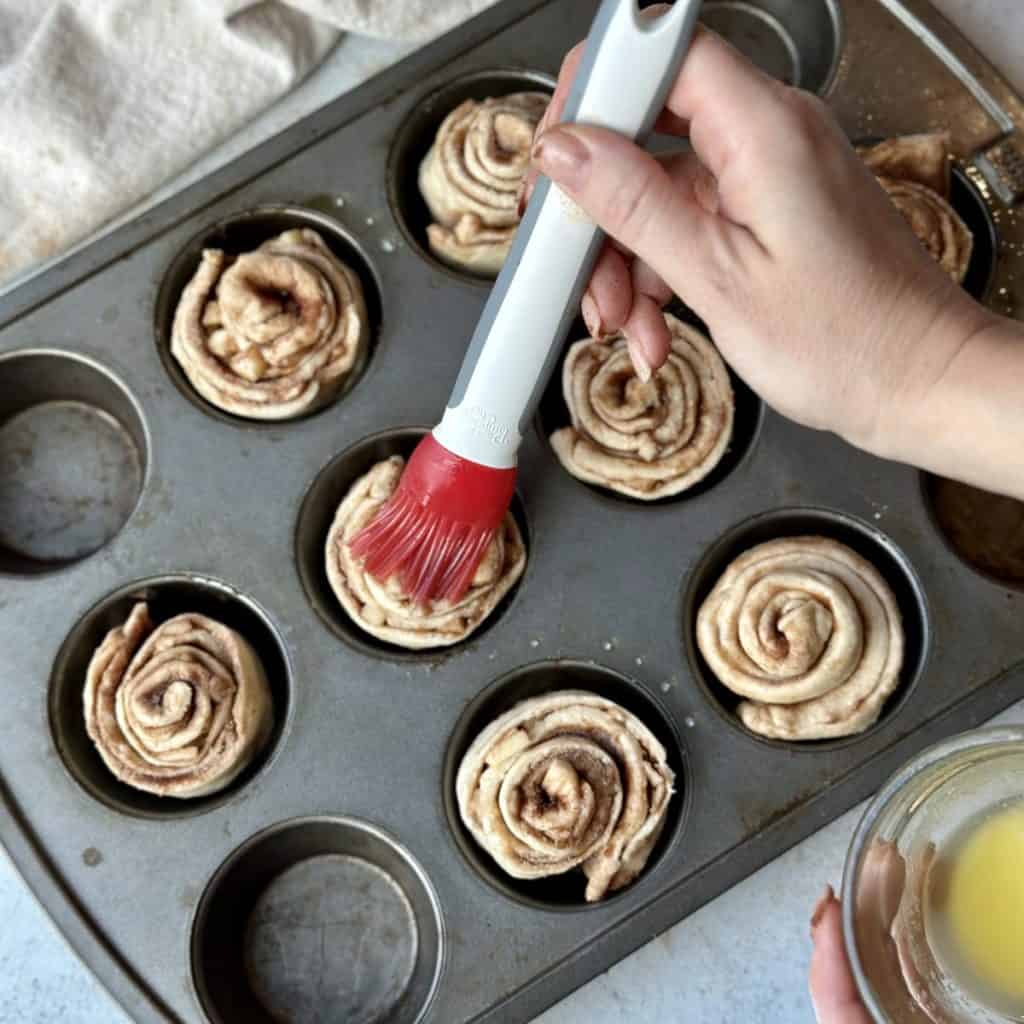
(229, 518)
(315, 921)
(797, 42)
(331, 938)
(72, 459)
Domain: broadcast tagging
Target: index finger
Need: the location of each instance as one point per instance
(567, 72)
(566, 77)
(724, 98)
(719, 97)
(553, 112)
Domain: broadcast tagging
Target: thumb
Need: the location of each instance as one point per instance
(633, 198)
(833, 990)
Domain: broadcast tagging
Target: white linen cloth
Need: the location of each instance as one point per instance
(103, 100)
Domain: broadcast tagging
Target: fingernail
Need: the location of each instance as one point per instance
(592, 316)
(820, 907)
(640, 364)
(562, 156)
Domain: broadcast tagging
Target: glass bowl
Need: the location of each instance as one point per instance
(903, 965)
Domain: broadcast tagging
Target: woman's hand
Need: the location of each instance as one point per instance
(833, 990)
(815, 290)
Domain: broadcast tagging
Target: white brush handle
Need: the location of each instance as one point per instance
(628, 66)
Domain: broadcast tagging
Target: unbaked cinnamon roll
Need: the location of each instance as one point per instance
(915, 171)
(566, 780)
(274, 333)
(178, 709)
(809, 633)
(650, 440)
(381, 607)
(937, 225)
(470, 178)
(925, 159)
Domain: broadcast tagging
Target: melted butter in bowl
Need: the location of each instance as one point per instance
(974, 911)
(933, 889)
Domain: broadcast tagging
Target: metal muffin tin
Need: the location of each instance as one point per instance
(347, 819)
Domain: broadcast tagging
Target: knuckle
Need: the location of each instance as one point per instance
(803, 122)
(804, 112)
(718, 275)
(723, 271)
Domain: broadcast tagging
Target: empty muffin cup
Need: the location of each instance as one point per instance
(863, 540)
(564, 892)
(985, 531)
(797, 43)
(73, 457)
(319, 920)
(166, 597)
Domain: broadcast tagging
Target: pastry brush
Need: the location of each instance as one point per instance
(458, 483)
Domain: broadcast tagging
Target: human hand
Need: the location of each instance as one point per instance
(773, 231)
(833, 989)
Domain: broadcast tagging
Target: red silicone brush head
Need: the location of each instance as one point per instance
(437, 525)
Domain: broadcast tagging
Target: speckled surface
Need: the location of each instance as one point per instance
(743, 957)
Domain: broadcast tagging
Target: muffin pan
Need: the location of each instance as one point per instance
(119, 483)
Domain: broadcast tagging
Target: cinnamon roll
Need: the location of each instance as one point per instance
(937, 225)
(645, 440)
(925, 159)
(178, 709)
(566, 780)
(274, 333)
(381, 607)
(470, 178)
(809, 633)
(915, 171)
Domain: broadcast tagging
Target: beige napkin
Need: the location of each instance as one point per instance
(103, 100)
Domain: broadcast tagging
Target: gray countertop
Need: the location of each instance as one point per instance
(743, 957)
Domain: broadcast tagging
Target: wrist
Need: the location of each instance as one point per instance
(919, 389)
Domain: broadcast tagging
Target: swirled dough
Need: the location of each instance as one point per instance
(924, 159)
(381, 608)
(178, 709)
(566, 780)
(271, 334)
(809, 633)
(915, 171)
(645, 440)
(470, 178)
